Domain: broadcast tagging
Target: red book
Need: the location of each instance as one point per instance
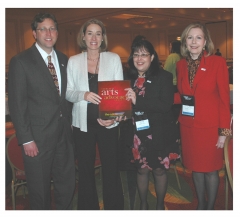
(114, 103)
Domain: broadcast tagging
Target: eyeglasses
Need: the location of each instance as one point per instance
(143, 55)
(44, 30)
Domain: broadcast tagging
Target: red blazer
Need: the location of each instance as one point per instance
(211, 92)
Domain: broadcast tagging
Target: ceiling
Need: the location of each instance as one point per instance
(123, 18)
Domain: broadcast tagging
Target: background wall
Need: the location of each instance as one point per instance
(19, 37)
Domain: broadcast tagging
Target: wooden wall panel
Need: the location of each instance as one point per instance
(229, 41)
(153, 37)
(26, 35)
(11, 45)
(218, 32)
(163, 46)
(120, 43)
(71, 43)
(61, 43)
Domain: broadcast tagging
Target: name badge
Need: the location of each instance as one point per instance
(142, 125)
(188, 104)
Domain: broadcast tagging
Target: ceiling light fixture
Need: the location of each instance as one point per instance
(139, 20)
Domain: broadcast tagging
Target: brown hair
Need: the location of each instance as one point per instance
(209, 47)
(82, 43)
(40, 17)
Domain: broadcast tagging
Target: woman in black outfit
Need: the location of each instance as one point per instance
(154, 143)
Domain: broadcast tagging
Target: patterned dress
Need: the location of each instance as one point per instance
(144, 153)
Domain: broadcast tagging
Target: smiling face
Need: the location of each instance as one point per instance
(195, 42)
(93, 37)
(142, 60)
(46, 39)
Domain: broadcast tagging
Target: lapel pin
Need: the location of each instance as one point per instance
(203, 69)
(149, 81)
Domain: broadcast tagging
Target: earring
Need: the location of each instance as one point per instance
(203, 48)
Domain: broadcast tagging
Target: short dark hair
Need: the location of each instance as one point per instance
(176, 45)
(154, 67)
(138, 38)
(40, 17)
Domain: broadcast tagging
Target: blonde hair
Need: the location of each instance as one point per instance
(209, 46)
(82, 43)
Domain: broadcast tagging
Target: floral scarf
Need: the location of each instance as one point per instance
(192, 68)
(139, 86)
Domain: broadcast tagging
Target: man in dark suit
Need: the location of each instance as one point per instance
(41, 116)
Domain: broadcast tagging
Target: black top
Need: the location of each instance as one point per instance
(92, 110)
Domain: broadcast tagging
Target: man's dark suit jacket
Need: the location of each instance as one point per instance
(34, 103)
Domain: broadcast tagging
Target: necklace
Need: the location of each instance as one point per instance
(97, 65)
(90, 75)
(94, 60)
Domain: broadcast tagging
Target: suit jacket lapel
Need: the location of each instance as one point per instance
(185, 79)
(62, 68)
(201, 72)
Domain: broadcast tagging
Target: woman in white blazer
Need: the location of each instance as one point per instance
(84, 71)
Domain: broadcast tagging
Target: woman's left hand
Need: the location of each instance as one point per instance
(220, 142)
(131, 95)
(107, 123)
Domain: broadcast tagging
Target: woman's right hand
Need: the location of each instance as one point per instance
(221, 141)
(92, 97)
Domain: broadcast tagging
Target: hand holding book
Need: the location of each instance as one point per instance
(107, 123)
(131, 95)
(92, 97)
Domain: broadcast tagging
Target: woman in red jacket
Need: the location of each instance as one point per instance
(205, 115)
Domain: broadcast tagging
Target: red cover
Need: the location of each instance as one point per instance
(114, 101)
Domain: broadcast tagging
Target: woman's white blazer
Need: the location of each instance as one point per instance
(110, 68)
